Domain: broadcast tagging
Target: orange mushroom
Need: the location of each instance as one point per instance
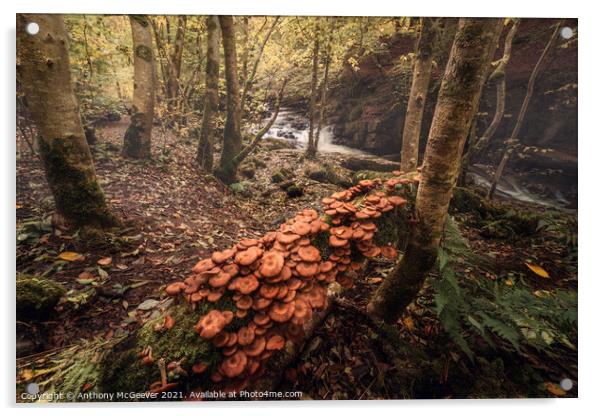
(309, 253)
(276, 342)
(234, 365)
(271, 264)
(281, 311)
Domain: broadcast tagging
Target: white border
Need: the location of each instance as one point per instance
(590, 143)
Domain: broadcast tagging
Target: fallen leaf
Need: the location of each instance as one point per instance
(374, 280)
(105, 261)
(409, 323)
(554, 388)
(70, 256)
(148, 304)
(538, 270)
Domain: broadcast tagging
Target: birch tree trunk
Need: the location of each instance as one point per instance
(513, 141)
(44, 74)
(204, 154)
(423, 63)
(137, 140)
(226, 171)
(458, 99)
(312, 148)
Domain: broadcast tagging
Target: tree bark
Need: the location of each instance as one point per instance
(251, 77)
(259, 135)
(421, 76)
(459, 94)
(324, 88)
(499, 76)
(204, 154)
(175, 65)
(513, 141)
(44, 74)
(137, 140)
(232, 146)
(312, 149)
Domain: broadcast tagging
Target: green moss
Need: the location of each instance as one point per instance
(133, 143)
(37, 297)
(76, 192)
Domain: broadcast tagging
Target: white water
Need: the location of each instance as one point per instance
(289, 122)
(290, 125)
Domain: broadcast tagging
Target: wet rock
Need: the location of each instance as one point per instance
(356, 163)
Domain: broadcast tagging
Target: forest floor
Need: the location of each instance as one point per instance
(175, 215)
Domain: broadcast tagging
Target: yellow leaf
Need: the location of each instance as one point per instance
(409, 323)
(554, 388)
(538, 270)
(105, 261)
(70, 256)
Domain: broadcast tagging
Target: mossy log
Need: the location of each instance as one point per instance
(133, 362)
(36, 297)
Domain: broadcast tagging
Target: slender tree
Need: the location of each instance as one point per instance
(204, 154)
(512, 143)
(423, 63)
(175, 66)
(312, 147)
(44, 74)
(137, 140)
(324, 87)
(248, 79)
(459, 94)
(232, 144)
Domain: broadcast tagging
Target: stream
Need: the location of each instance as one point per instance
(292, 125)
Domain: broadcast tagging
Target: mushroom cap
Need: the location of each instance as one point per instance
(221, 339)
(215, 294)
(199, 368)
(203, 265)
(234, 365)
(272, 263)
(168, 322)
(248, 256)
(232, 269)
(306, 269)
(276, 342)
(316, 297)
(342, 232)
(301, 228)
(245, 302)
(268, 291)
(175, 288)
(220, 280)
(246, 335)
(281, 311)
(261, 319)
(397, 200)
(309, 253)
(261, 303)
(294, 283)
(244, 285)
(287, 237)
(211, 324)
(389, 252)
(219, 257)
(256, 347)
(335, 241)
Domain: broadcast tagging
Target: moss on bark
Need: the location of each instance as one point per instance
(36, 297)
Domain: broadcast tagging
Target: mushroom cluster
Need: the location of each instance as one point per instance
(280, 279)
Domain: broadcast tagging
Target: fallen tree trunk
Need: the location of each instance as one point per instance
(194, 340)
(355, 164)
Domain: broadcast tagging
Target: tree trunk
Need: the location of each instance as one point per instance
(259, 135)
(137, 140)
(312, 149)
(418, 92)
(226, 171)
(44, 73)
(204, 154)
(175, 66)
(324, 88)
(499, 76)
(513, 141)
(461, 86)
(248, 81)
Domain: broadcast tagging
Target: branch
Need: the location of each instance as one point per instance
(251, 146)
